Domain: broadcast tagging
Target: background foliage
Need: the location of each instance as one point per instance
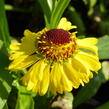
(92, 20)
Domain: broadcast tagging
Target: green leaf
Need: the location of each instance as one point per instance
(25, 100)
(5, 80)
(89, 90)
(103, 47)
(5, 88)
(51, 3)
(53, 10)
(46, 7)
(4, 32)
(57, 12)
(104, 106)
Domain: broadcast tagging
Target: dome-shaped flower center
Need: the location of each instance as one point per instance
(57, 44)
(58, 36)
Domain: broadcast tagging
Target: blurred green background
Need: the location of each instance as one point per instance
(92, 20)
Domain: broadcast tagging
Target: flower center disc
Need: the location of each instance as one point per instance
(58, 36)
(57, 44)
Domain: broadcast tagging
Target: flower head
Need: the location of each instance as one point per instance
(56, 59)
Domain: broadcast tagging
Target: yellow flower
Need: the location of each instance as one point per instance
(56, 59)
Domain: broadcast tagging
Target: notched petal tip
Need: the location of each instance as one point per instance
(27, 32)
(66, 25)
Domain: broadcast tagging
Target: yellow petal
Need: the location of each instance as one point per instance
(23, 62)
(38, 34)
(31, 85)
(90, 41)
(29, 41)
(84, 78)
(15, 51)
(15, 46)
(80, 67)
(91, 75)
(89, 60)
(34, 76)
(72, 74)
(55, 78)
(15, 55)
(59, 81)
(80, 72)
(44, 83)
(89, 44)
(65, 82)
(28, 33)
(66, 25)
(28, 44)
